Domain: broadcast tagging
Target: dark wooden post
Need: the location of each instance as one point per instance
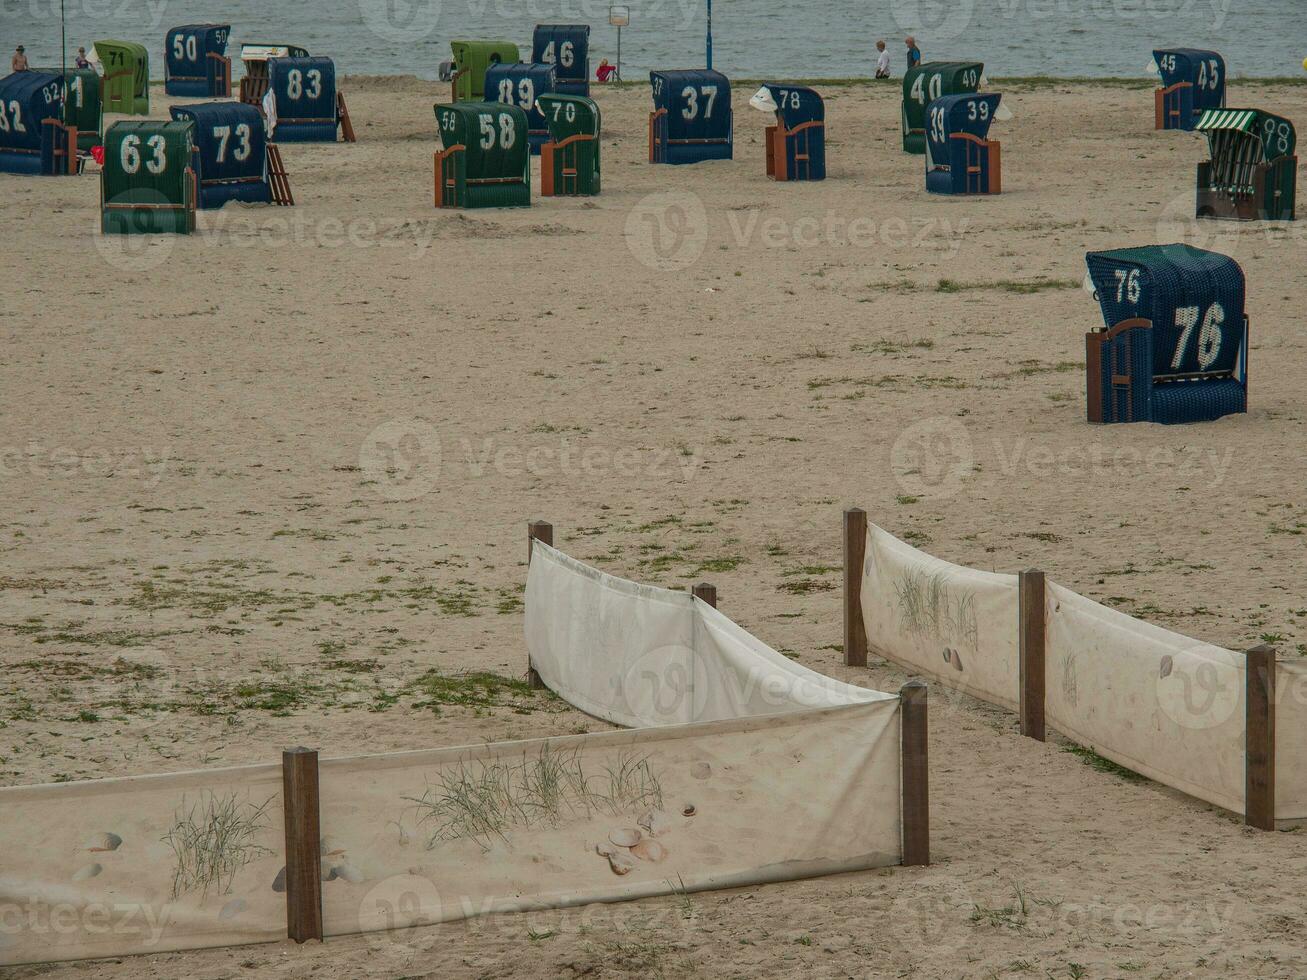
(855, 550)
(299, 775)
(706, 592)
(1259, 771)
(536, 531)
(915, 774)
(1030, 647)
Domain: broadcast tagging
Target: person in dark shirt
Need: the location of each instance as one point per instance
(914, 52)
(82, 61)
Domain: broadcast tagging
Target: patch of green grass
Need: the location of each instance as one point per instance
(1022, 286)
(480, 690)
(1091, 758)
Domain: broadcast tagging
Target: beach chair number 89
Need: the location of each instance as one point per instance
(526, 92)
(1209, 337)
(691, 96)
(129, 155)
(295, 83)
(507, 131)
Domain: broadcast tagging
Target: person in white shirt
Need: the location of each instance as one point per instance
(882, 60)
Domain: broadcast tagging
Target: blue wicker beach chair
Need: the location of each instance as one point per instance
(1193, 81)
(959, 158)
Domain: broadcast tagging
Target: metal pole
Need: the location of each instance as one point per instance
(63, 62)
(619, 52)
(710, 35)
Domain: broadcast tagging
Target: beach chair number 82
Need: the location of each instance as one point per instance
(1209, 337)
(295, 83)
(507, 131)
(691, 96)
(16, 108)
(130, 154)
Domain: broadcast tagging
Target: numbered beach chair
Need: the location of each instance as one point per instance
(569, 162)
(1175, 345)
(1253, 170)
(796, 145)
(926, 83)
(255, 58)
(195, 62)
(302, 103)
(567, 48)
(33, 137)
(126, 84)
(471, 59)
(692, 119)
(485, 162)
(83, 109)
(1193, 81)
(959, 157)
(233, 159)
(521, 84)
(147, 186)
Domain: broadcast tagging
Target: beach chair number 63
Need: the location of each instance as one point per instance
(223, 134)
(130, 154)
(295, 83)
(507, 131)
(526, 92)
(1209, 337)
(691, 96)
(566, 54)
(16, 109)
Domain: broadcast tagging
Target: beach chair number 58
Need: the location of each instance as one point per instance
(129, 155)
(691, 96)
(507, 131)
(566, 54)
(295, 83)
(1209, 337)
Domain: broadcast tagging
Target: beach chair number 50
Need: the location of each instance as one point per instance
(179, 52)
(507, 131)
(129, 155)
(295, 83)
(1209, 337)
(691, 96)
(223, 134)
(16, 110)
(526, 92)
(566, 54)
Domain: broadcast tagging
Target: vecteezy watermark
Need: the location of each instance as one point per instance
(1199, 689)
(936, 457)
(947, 20)
(34, 459)
(49, 11)
(401, 21)
(403, 459)
(667, 230)
(50, 920)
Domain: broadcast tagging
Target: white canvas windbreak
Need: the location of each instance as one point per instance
(953, 624)
(1291, 740)
(1157, 702)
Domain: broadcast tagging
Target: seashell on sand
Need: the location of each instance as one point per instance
(688, 810)
(649, 850)
(655, 822)
(948, 655)
(327, 875)
(605, 849)
(90, 871)
(1165, 669)
(328, 846)
(701, 770)
(621, 863)
(104, 842)
(625, 836)
(232, 909)
(347, 872)
(957, 660)
(279, 882)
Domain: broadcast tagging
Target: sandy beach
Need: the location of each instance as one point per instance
(268, 486)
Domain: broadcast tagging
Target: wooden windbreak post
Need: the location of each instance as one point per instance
(706, 592)
(1030, 648)
(536, 531)
(855, 551)
(299, 775)
(915, 774)
(1259, 767)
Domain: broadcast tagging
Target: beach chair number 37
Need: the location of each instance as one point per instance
(1186, 317)
(691, 96)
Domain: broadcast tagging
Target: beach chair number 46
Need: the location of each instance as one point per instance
(295, 83)
(223, 135)
(566, 55)
(691, 95)
(130, 154)
(526, 93)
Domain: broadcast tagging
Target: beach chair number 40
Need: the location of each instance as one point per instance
(130, 154)
(526, 93)
(924, 92)
(566, 55)
(691, 95)
(507, 131)
(223, 135)
(295, 83)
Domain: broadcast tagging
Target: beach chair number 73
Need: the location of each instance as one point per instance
(223, 135)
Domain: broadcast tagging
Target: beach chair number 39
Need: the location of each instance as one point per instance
(691, 96)
(129, 155)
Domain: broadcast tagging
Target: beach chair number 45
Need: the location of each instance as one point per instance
(526, 93)
(566, 56)
(223, 135)
(295, 83)
(130, 154)
(691, 96)
(1209, 73)
(1186, 318)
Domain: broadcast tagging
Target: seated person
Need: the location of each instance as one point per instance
(605, 71)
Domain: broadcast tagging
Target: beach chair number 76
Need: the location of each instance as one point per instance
(1209, 337)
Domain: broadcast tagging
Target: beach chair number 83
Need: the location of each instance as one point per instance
(130, 154)
(295, 83)
(691, 96)
(507, 131)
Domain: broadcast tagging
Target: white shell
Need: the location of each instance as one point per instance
(625, 836)
(649, 850)
(90, 871)
(104, 842)
(620, 863)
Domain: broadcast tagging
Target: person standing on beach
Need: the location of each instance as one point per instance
(914, 52)
(82, 61)
(19, 62)
(882, 60)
